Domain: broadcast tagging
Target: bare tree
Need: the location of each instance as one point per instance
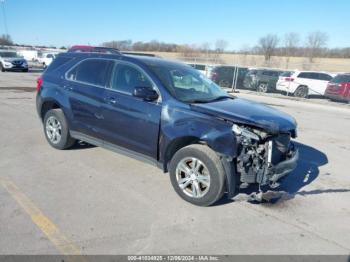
(6, 40)
(267, 45)
(205, 48)
(220, 46)
(291, 42)
(121, 45)
(315, 42)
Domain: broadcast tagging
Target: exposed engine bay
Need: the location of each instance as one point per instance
(263, 158)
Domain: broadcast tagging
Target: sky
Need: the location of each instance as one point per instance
(240, 22)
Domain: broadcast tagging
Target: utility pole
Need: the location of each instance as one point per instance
(4, 16)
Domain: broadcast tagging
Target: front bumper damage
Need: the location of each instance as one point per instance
(266, 162)
(274, 173)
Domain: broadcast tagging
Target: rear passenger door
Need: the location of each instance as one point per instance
(129, 121)
(305, 79)
(84, 85)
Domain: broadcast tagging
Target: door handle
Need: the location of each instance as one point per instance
(99, 116)
(111, 100)
(68, 88)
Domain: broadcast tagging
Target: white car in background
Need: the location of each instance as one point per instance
(46, 59)
(304, 83)
(203, 68)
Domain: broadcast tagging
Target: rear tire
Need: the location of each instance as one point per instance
(197, 175)
(302, 92)
(56, 130)
(262, 88)
(2, 68)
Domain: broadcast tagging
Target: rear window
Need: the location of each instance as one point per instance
(200, 67)
(287, 74)
(341, 79)
(92, 71)
(58, 62)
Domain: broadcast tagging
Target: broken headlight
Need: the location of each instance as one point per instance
(244, 132)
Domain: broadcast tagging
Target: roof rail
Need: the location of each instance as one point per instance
(139, 54)
(93, 49)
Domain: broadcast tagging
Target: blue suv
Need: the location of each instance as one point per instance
(168, 114)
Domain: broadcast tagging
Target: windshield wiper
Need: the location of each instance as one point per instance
(194, 101)
(219, 98)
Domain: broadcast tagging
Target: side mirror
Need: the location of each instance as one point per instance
(146, 93)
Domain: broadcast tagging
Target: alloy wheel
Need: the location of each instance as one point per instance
(193, 177)
(53, 130)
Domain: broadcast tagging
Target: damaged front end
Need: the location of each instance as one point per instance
(264, 158)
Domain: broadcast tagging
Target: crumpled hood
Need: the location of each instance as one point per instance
(243, 111)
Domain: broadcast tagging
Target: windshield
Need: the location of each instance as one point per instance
(9, 54)
(187, 84)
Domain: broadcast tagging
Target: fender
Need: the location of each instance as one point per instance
(53, 92)
(181, 124)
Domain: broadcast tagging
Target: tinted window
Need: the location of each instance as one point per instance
(269, 73)
(200, 67)
(125, 78)
(92, 71)
(304, 75)
(252, 72)
(287, 74)
(324, 77)
(341, 79)
(58, 62)
(315, 76)
(9, 54)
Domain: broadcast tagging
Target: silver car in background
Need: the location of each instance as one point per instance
(11, 61)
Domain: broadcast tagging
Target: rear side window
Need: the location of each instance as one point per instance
(58, 62)
(92, 71)
(341, 79)
(270, 73)
(304, 75)
(324, 77)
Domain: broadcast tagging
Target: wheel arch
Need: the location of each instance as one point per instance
(48, 105)
(175, 145)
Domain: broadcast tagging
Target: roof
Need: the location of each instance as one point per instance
(147, 60)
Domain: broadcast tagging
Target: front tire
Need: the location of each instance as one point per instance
(56, 130)
(2, 69)
(197, 175)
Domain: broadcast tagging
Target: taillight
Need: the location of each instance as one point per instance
(289, 79)
(39, 83)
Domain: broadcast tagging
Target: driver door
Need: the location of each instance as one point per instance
(129, 121)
